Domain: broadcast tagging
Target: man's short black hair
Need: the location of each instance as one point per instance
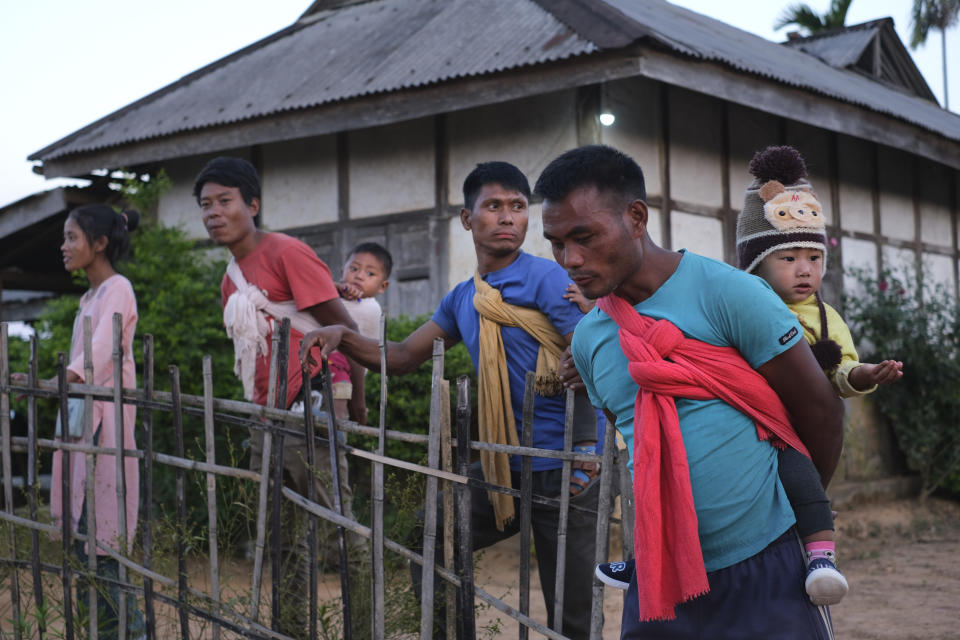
(502, 173)
(231, 172)
(603, 167)
(378, 252)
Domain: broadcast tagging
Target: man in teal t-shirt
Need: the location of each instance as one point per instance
(595, 216)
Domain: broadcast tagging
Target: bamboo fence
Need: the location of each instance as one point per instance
(446, 473)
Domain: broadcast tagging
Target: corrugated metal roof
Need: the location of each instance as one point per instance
(389, 45)
(704, 38)
(840, 49)
(364, 49)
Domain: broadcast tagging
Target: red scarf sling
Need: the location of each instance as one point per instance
(669, 560)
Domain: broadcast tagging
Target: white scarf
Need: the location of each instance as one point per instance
(247, 317)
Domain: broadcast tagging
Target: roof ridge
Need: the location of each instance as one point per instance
(836, 31)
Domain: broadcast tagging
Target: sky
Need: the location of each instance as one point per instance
(66, 64)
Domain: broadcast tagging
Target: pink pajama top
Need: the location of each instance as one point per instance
(114, 295)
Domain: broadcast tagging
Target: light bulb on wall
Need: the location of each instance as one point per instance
(607, 118)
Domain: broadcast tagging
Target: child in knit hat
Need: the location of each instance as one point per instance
(781, 237)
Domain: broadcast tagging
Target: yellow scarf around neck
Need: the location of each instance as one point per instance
(494, 407)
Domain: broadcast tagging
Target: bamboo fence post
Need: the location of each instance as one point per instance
(66, 528)
(379, 592)
(91, 490)
(627, 513)
(211, 489)
(32, 482)
(337, 501)
(277, 577)
(181, 507)
(265, 456)
(147, 419)
(121, 464)
(8, 475)
(563, 516)
(312, 497)
(446, 454)
(526, 501)
(430, 508)
(603, 528)
(467, 623)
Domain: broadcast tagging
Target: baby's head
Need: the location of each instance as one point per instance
(781, 233)
(368, 267)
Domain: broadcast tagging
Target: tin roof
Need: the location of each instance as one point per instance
(368, 48)
(383, 46)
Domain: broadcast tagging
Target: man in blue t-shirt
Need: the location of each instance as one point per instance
(595, 216)
(496, 199)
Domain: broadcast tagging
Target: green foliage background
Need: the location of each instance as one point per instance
(892, 318)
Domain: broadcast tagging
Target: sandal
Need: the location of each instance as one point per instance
(583, 473)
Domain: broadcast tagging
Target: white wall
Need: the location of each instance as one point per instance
(856, 178)
(392, 168)
(695, 148)
(699, 234)
(636, 104)
(528, 133)
(896, 194)
(299, 183)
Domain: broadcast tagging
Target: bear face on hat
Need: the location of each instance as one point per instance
(780, 209)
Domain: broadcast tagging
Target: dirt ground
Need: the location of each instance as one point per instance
(900, 557)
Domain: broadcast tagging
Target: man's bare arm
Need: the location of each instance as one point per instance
(815, 410)
(402, 357)
(332, 312)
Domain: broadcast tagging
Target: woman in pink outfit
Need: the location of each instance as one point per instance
(94, 238)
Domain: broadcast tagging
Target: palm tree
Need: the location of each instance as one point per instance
(934, 14)
(808, 20)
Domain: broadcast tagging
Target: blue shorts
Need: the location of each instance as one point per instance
(760, 597)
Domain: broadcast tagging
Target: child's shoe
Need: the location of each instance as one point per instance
(825, 584)
(616, 574)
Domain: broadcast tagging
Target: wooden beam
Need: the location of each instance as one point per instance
(798, 104)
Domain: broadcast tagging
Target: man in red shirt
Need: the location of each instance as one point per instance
(272, 276)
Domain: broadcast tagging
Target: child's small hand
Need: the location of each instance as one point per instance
(884, 372)
(349, 291)
(576, 296)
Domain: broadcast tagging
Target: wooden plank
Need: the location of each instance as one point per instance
(121, 477)
(466, 623)
(563, 515)
(377, 489)
(32, 376)
(603, 528)
(266, 451)
(430, 508)
(5, 444)
(446, 455)
(311, 453)
(147, 421)
(526, 500)
(335, 489)
(91, 492)
(211, 490)
(66, 530)
(181, 499)
(663, 162)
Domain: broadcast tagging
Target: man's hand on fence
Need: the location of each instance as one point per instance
(327, 338)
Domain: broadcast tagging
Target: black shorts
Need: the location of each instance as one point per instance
(758, 598)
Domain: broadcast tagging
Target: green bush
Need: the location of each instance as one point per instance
(892, 318)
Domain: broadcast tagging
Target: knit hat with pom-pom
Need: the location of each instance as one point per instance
(780, 209)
